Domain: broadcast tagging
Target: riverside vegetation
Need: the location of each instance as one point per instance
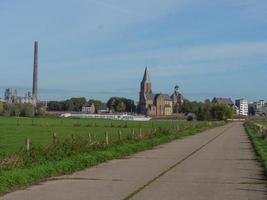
(257, 131)
(59, 146)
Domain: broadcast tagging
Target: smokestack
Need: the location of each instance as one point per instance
(35, 73)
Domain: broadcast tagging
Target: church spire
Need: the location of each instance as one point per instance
(146, 84)
(146, 76)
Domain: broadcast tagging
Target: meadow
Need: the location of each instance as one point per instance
(76, 150)
(14, 131)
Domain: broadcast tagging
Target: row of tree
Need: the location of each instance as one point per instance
(73, 104)
(207, 110)
(115, 104)
(22, 110)
(203, 110)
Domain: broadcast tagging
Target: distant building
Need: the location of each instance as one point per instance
(226, 101)
(177, 99)
(259, 107)
(157, 104)
(242, 105)
(10, 95)
(89, 108)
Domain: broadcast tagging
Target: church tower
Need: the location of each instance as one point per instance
(145, 90)
(146, 84)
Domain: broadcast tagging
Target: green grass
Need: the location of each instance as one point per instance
(259, 144)
(14, 131)
(63, 159)
(262, 122)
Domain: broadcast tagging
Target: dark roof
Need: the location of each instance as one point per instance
(151, 96)
(167, 97)
(227, 101)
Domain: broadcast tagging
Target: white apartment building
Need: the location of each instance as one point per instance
(242, 105)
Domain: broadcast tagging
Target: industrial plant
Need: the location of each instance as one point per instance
(11, 94)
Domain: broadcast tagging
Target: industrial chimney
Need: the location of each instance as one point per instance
(35, 74)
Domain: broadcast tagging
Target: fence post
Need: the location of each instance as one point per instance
(28, 142)
(133, 134)
(90, 137)
(119, 135)
(140, 133)
(106, 138)
(55, 139)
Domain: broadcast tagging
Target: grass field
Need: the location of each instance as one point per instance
(76, 151)
(14, 131)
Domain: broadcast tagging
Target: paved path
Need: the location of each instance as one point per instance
(217, 164)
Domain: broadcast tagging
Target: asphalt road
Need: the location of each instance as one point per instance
(216, 164)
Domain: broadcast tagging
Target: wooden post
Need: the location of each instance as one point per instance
(140, 133)
(32, 122)
(54, 138)
(90, 137)
(119, 135)
(28, 141)
(106, 138)
(133, 134)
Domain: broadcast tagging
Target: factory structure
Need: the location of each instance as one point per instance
(11, 95)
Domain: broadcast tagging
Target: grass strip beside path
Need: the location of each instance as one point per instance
(21, 177)
(260, 145)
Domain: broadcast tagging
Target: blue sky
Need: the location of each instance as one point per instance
(99, 48)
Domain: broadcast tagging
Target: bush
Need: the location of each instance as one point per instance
(190, 118)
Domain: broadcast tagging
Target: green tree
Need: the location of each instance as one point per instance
(121, 104)
(221, 112)
(121, 107)
(27, 110)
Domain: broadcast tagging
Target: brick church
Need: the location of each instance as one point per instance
(158, 104)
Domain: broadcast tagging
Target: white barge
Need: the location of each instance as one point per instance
(108, 116)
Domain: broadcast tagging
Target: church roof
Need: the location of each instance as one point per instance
(151, 96)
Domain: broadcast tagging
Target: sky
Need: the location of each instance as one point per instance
(99, 48)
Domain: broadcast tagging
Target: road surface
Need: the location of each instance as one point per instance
(218, 164)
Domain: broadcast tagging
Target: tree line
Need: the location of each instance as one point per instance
(20, 110)
(207, 110)
(115, 104)
(202, 110)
